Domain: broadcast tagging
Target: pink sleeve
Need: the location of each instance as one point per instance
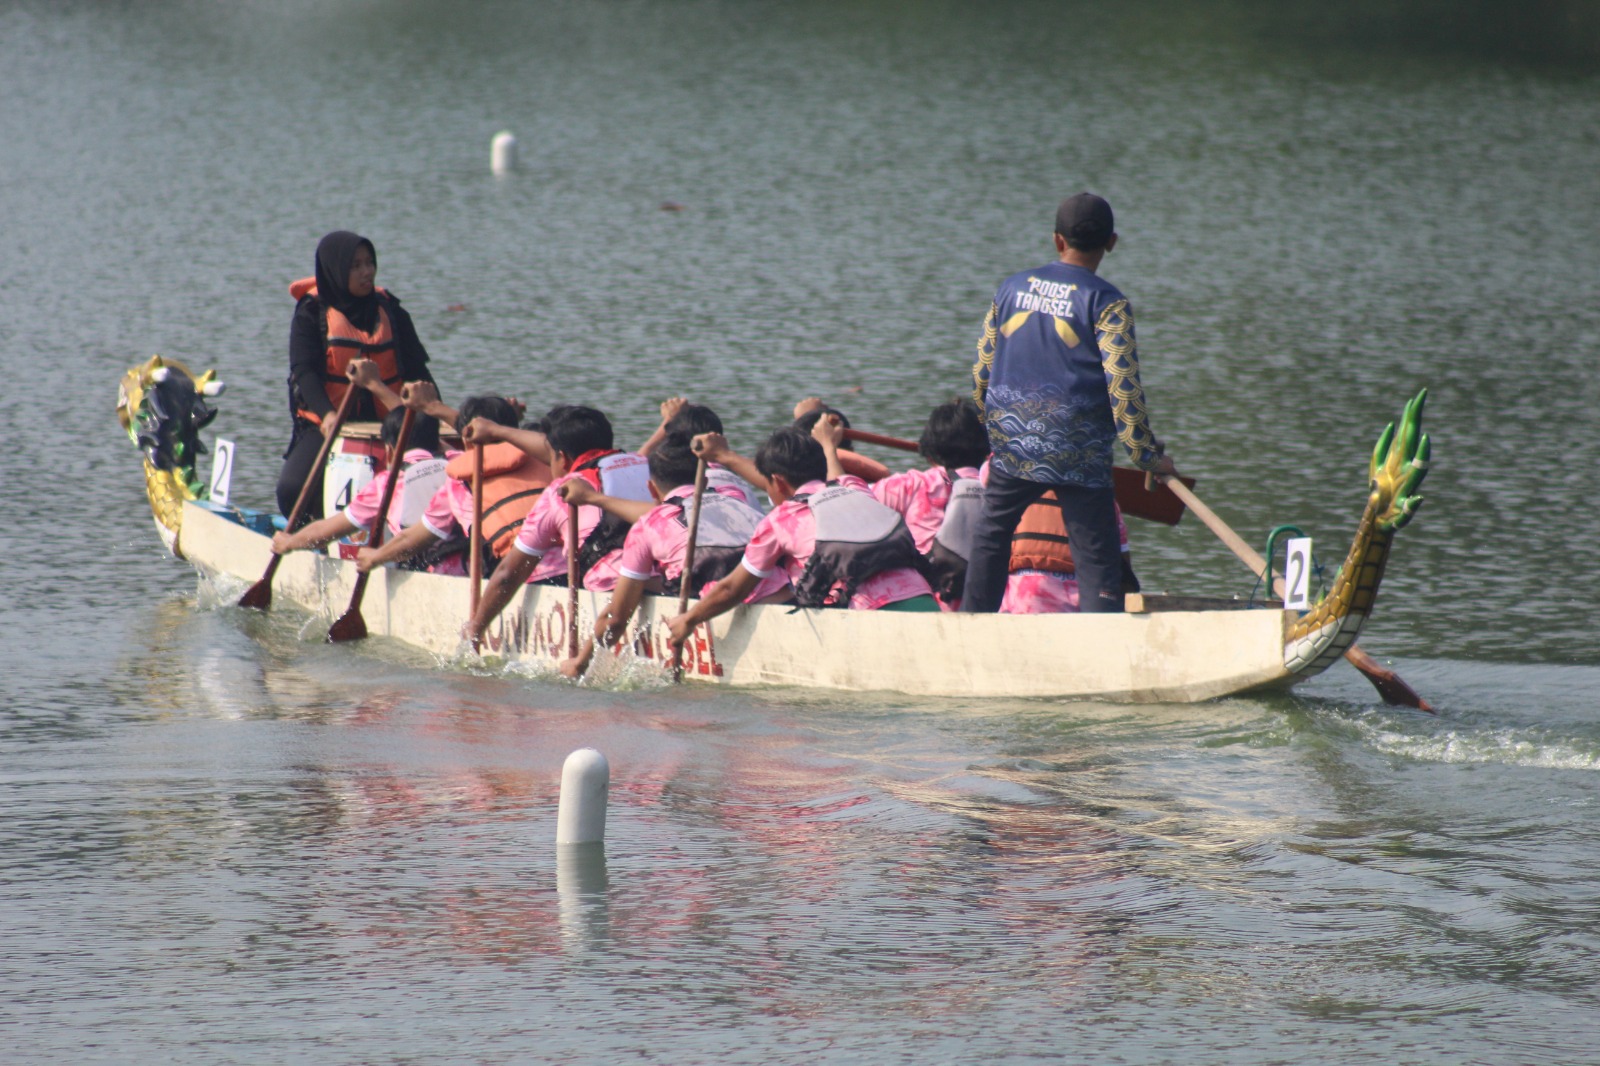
(542, 530)
(896, 490)
(440, 516)
(638, 560)
(765, 550)
(1122, 531)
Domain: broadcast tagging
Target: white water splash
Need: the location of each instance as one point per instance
(1509, 747)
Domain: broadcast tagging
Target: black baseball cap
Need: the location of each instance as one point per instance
(1085, 220)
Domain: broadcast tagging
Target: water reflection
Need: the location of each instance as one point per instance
(583, 888)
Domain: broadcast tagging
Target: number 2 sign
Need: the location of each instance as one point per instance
(221, 471)
(1297, 574)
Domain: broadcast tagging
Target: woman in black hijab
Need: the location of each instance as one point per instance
(342, 318)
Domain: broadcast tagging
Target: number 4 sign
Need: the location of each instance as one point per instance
(221, 471)
(1297, 574)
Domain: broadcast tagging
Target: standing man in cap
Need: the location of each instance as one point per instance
(1058, 380)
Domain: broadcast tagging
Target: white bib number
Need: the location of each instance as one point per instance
(221, 471)
(345, 475)
(1297, 574)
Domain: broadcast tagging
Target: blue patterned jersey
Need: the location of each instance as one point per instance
(1058, 378)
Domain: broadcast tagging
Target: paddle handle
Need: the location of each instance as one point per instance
(380, 524)
(350, 625)
(476, 551)
(863, 437)
(1224, 532)
(322, 457)
(259, 595)
(572, 581)
(686, 578)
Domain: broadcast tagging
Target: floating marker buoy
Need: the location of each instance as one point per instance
(503, 153)
(585, 780)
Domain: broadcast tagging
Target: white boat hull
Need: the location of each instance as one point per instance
(1146, 657)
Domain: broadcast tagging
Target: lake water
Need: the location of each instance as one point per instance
(227, 842)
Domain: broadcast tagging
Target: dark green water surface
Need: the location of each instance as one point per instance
(225, 842)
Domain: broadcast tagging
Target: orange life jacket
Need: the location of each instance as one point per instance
(1040, 542)
(344, 342)
(512, 479)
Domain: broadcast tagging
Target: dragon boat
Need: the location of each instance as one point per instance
(1164, 649)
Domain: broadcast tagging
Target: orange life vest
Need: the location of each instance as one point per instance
(1040, 542)
(344, 342)
(512, 479)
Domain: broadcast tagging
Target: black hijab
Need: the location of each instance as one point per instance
(335, 253)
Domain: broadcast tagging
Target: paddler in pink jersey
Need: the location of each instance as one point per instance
(941, 503)
(440, 539)
(652, 555)
(838, 545)
(578, 440)
(362, 511)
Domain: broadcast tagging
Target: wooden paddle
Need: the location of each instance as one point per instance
(476, 554)
(1386, 681)
(258, 597)
(686, 579)
(351, 626)
(572, 581)
(1136, 497)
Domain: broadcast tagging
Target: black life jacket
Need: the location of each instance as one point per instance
(857, 537)
(952, 545)
(726, 525)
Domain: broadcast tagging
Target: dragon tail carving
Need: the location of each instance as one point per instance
(1399, 463)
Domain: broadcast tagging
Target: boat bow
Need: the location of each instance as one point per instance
(1320, 637)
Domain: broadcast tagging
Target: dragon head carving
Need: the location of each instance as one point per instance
(162, 407)
(1399, 463)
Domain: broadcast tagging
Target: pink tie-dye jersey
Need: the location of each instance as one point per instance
(544, 535)
(654, 548)
(364, 507)
(920, 495)
(787, 537)
(449, 513)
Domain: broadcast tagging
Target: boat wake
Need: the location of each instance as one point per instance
(1507, 746)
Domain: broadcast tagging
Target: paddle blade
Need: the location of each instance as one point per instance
(258, 597)
(350, 626)
(1391, 687)
(1155, 504)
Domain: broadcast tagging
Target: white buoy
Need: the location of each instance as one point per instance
(503, 152)
(585, 780)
